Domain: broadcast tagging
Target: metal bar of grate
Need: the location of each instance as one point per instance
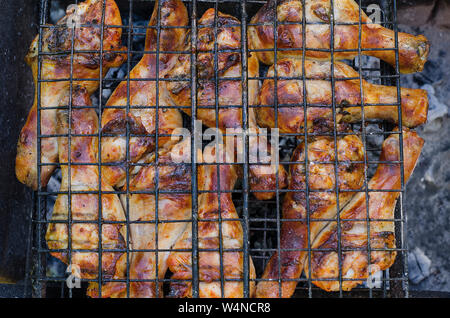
(261, 221)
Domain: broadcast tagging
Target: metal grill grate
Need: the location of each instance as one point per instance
(261, 220)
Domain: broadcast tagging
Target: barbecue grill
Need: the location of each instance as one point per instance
(261, 220)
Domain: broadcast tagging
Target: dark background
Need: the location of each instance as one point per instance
(19, 22)
(427, 197)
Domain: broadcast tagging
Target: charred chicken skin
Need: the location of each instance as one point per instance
(322, 205)
(142, 118)
(413, 50)
(263, 178)
(414, 102)
(356, 267)
(55, 75)
(78, 158)
(217, 223)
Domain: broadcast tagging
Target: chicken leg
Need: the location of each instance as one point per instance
(55, 75)
(218, 225)
(142, 96)
(347, 87)
(79, 209)
(380, 210)
(295, 235)
(413, 50)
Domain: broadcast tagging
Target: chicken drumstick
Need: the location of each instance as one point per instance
(413, 50)
(55, 75)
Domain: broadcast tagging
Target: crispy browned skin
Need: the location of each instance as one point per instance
(354, 233)
(322, 205)
(84, 207)
(143, 121)
(211, 218)
(172, 207)
(413, 50)
(414, 102)
(57, 67)
(262, 177)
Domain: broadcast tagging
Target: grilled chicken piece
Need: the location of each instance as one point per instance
(325, 265)
(414, 102)
(322, 205)
(174, 212)
(83, 209)
(217, 223)
(171, 207)
(413, 50)
(142, 119)
(263, 177)
(55, 73)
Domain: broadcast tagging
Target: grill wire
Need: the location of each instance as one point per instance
(261, 220)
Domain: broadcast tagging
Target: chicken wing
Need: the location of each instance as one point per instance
(354, 236)
(78, 205)
(218, 224)
(56, 70)
(322, 205)
(141, 96)
(263, 178)
(347, 87)
(345, 18)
